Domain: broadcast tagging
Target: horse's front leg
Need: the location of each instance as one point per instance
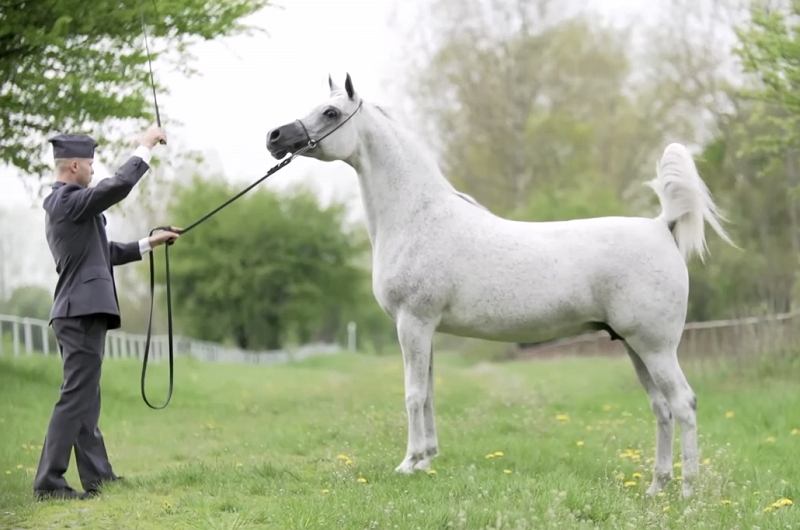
(431, 440)
(415, 336)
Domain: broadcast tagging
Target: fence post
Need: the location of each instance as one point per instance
(45, 340)
(2, 337)
(351, 336)
(26, 328)
(15, 327)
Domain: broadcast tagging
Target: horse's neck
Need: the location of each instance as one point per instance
(397, 177)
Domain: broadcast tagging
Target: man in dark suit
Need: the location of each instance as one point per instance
(85, 304)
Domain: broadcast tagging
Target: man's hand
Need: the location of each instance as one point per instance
(152, 136)
(165, 236)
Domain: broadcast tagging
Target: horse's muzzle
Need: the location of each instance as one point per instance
(285, 139)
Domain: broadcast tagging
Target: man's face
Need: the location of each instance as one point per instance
(83, 171)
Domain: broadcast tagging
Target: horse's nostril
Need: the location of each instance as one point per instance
(274, 135)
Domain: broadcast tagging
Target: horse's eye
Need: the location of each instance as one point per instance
(331, 113)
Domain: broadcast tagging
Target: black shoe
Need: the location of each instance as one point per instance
(97, 486)
(59, 494)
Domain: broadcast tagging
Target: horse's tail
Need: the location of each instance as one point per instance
(686, 202)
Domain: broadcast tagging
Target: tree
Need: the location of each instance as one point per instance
(71, 65)
(753, 163)
(29, 301)
(271, 269)
(542, 116)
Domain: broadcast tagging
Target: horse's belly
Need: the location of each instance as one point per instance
(526, 322)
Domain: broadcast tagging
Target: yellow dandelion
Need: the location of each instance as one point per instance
(629, 483)
(678, 465)
(770, 439)
(489, 456)
(342, 457)
(326, 491)
(725, 502)
(563, 418)
(361, 480)
(706, 461)
(637, 475)
(431, 472)
(665, 509)
(20, 466)
(795, 432)
(580, 443)
(507, 471)
(729, 414)
(780, 503)
(631, 454)
(498, 454)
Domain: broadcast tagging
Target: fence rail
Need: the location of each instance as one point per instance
(737, 338)
(30, 335)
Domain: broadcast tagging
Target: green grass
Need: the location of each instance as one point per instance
(258, 447)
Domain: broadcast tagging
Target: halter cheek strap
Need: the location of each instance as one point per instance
(313, 143)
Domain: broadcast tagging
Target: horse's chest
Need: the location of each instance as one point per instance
(400, 280)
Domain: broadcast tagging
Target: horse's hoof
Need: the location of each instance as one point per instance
(654, 488)
(688, 490)
(423, 465)
(659, 481)
(406, 467)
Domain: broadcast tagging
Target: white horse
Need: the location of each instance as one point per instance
(441, 262)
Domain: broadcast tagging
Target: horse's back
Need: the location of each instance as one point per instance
(513, 280)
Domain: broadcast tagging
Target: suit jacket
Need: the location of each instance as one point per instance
(76, 235)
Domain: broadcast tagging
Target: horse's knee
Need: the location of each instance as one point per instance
(684, 408)
(661, 410)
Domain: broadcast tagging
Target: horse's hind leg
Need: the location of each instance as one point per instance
(662, 469)
(415, 336)
(666, 373)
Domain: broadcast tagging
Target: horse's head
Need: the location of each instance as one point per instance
(328, 128)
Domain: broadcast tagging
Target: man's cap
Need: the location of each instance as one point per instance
(73, 146)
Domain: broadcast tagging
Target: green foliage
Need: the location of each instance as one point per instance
(770, 49)
(753, 165)
(28, 301)
(545, 117)
(269, 269)
(529, 113)
(70, 65)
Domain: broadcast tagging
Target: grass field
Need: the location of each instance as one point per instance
(314, 445)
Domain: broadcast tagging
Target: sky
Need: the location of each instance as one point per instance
(247, 85)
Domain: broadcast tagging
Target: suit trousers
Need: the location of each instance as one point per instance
(73, 424)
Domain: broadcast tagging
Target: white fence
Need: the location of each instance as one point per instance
(29, 335)
(737, 338)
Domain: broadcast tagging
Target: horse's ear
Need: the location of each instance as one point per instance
(334, 86)
(348, 86)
